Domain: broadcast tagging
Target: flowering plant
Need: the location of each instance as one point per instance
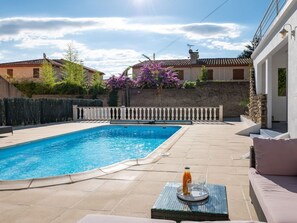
(153, 75)
(120, 82)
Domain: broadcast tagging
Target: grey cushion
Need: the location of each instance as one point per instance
(276, 157)
(277, 196)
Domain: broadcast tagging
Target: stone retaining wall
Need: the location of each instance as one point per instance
(211, 94)
(258, 103)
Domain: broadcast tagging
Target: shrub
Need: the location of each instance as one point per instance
(97, 87)
(29, 88)
(94, 90)
(189, 84)
(113, 98)
(204, 74)
(68, 88)
(120, 82)
(153, 75)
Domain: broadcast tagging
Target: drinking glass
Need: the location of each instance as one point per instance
(201, 181)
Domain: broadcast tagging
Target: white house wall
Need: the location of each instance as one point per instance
(279, 103)
(271, 44)
(292, 82)
(219, 73)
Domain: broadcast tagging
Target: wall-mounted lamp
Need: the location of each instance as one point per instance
(284, 31)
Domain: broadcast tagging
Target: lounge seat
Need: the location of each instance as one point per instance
(92, 218)
(273, 179)
(277, 196)
(6, 129)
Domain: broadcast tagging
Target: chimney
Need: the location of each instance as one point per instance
(44, 56)
(193, 56)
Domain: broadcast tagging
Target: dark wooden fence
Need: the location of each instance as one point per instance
(23, 111)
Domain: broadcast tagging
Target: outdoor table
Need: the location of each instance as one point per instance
(169, 206)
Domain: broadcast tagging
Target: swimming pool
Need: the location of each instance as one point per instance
(81, 151)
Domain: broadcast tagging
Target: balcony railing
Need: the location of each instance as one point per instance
(272, 12)
(148, 113)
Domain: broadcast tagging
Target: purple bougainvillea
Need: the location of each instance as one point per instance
(153, 75)
(120, 82)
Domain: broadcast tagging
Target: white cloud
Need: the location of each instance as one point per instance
(53, 34)
(228, 45)
(109, 61)
(20, 28)
(3, 54)
(60, 44)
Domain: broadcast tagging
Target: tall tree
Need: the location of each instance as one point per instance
(246, 53)
(74, 72)
(47, 73)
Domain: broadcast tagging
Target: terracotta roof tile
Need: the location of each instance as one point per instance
(200, 62)
(24, 62)
(55, 62)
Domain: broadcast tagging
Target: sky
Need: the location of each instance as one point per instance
(111, 35)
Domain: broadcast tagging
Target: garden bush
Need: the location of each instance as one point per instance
(68, 88)
(189, 84)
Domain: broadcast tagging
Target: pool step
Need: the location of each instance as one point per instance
(266, 134)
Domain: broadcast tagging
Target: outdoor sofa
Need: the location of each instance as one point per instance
(273, 179)
(93, 218)
(6, 129)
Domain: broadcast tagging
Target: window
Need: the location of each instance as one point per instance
(238, 74)
(210, 75)
(10, 72)
(35, 72)
(180, 74)
(282, 82)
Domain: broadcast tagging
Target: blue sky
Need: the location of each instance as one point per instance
(111, 35)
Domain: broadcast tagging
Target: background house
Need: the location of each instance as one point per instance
(31, 69)
(219, 69)
(275, 64)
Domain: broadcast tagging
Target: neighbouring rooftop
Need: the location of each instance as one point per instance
(208, 62)
(39, 62)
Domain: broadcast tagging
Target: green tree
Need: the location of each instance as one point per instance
(247, 53)
(74, 72)
(96, 80)
(203, 76)
(48, 75)
(98, 86)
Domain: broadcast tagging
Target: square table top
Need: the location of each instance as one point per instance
(215, 207)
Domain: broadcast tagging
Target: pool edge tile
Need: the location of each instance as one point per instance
(50, 181)
(86, 175)
(15, 184)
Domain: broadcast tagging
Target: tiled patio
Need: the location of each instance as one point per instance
(211, 149)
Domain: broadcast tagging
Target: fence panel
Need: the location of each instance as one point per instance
(24, 111)
(2, 113)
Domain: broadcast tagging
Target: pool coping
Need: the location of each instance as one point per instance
(154, 156)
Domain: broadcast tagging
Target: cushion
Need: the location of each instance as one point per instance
(277, 196)
(276, 157)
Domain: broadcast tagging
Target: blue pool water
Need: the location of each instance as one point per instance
(81, 151)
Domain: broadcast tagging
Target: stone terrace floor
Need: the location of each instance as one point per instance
(210, 149)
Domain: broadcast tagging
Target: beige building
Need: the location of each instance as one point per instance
(219, 69)
(31, 69)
